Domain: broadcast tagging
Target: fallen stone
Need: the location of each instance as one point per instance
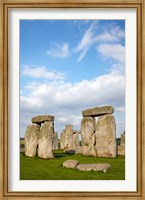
(94, 167)
(98, 111)
(70, 163)
(42, 118)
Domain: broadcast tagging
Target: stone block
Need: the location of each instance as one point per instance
(98, 111)
(42, 118)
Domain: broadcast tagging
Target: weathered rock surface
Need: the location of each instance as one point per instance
(94, 167)
(98, 111)
(121, 150)
(55, 141)
(42, 118)
(46, 136)
(89, 151)
(62, 140)
(106, 136)
(79, 150)
(31, 139)
(76, 142)
(122, 139)
(69, 136)
(70, 163)
(87, 131)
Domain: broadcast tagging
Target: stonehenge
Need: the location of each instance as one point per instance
(97, 134)
(40, 134)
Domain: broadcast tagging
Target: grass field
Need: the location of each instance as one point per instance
(41, 169)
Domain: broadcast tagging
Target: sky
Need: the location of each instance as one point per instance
(67, 66)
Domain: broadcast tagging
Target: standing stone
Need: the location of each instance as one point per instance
(62, 140)
(106, 136)
(87, 131)
(88, 136)
(31, 140)
(122, 139)
(46, 136)
(55, 141)
(121, 147)
(69, 136)
(76, 142)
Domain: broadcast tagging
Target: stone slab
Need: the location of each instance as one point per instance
(94, 167)
(42, 118)
(70, 163)
(98, 111)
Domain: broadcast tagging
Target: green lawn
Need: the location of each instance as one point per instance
(41, 169)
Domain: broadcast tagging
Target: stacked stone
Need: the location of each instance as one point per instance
(40, 134)
(99, 137)
(121, 147)
(69, 138)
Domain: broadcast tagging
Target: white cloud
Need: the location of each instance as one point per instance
(113, 51)
(59, 50)
(86, 42)
(42, 72)
(91, 36)
(66, 100)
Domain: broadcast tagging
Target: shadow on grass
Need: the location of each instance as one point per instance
(60, 155)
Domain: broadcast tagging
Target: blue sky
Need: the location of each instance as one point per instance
(70, 65)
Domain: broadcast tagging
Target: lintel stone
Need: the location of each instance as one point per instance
(42, 118)
(98, 111)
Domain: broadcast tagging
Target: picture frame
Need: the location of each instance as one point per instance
(5, 5)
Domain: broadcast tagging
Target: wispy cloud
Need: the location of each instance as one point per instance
(59, 50)
(113, 51)
(111, 34)
(42, 72)
(86, 41)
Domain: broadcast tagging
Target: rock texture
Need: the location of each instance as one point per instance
(87, 131)
(94, 167)
(31, 140)
(122, 139)
(42, 118)
(121, 147)
(62, 140)
(106, 136)
(69, 136)
(98, 111)
(70, 163)
(55, 141)
(46, 136)
(76, 142)
(121, 150)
